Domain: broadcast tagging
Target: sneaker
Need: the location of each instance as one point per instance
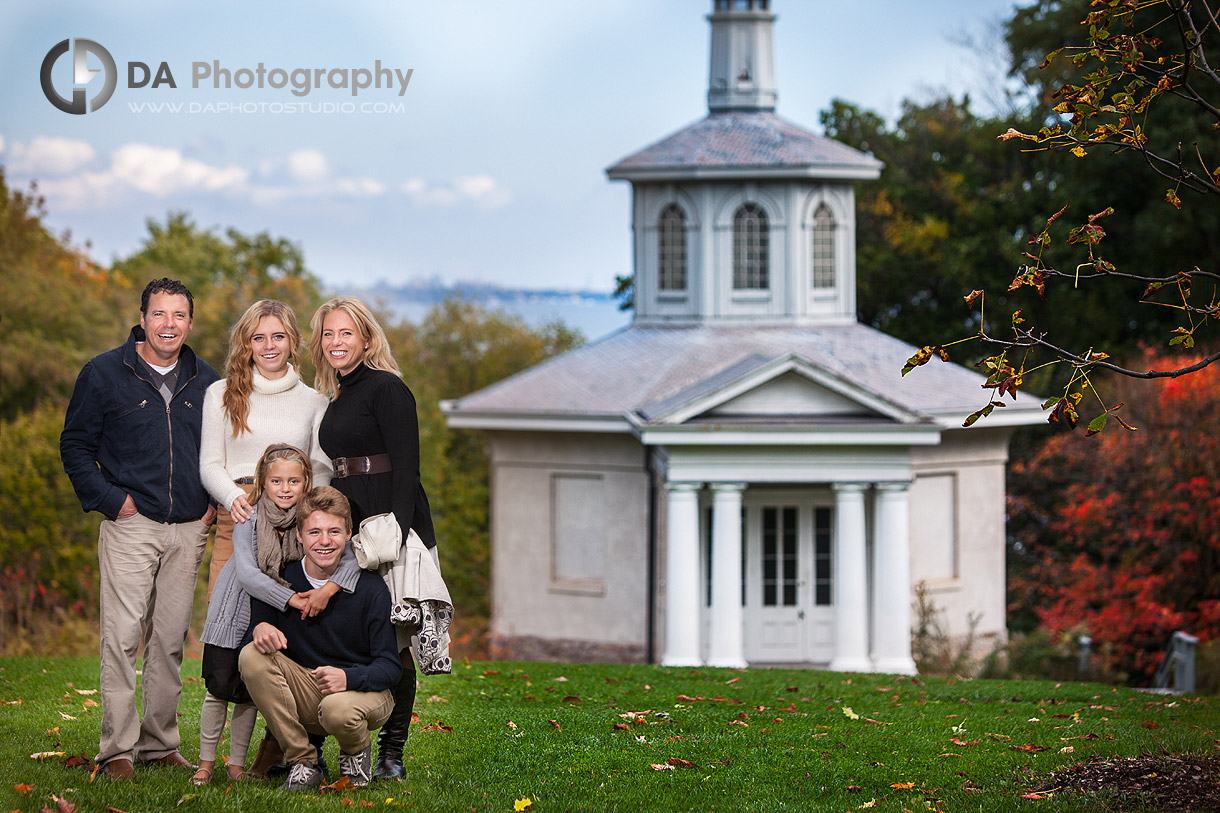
(302, 776)
(357, 767)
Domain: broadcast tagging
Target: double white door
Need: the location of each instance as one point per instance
(787, 577)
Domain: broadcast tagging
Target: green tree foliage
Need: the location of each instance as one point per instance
(57, 306)
(226, 274)
(1116, 535)
(1128, 102)
(948, 209)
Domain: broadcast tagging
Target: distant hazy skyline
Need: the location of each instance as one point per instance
(489, 165)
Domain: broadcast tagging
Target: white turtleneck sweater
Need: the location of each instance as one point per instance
(283, 410)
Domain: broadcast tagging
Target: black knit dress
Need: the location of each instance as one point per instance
(374, 413)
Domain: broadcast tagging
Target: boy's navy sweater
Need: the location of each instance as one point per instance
(353, 633)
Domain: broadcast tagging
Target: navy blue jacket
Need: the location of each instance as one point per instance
(120, 438)
(353, 633)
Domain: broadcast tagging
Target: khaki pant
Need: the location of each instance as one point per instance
(148, 572)
(222, 543)
(289, 700)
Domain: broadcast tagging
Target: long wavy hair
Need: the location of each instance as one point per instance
(239, 366)
(274, 452)
(378, 356)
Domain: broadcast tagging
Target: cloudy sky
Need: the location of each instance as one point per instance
(489, 165)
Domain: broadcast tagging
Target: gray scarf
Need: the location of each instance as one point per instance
(275, 531)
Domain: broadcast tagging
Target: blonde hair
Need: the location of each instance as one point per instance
(378, 356)
(328, 500)
(274, 452)
(239, 366)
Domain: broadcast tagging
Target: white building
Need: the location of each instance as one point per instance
(741, 476)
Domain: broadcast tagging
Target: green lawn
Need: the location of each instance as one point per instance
(598, 737)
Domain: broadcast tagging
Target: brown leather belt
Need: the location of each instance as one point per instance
(373, 464)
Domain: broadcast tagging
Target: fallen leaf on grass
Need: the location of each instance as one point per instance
(572, 698)
(903, 785)
(875, 722)
(87, 691)
(66, 716)
(361, 803)
(868, 804)
(47, 754)
(489, 672)
(853, 788)
(1027, 747)
(622, 727)
(659, 766)
(91, 703)
(851, 715)
(1067, 749)
(17, 702)
(187, 798)
(734, 680)
(739, 722)
(23, 788)
(680, 763)
(114, 810)
(415, 717)
(522, 804)
(1150, 724)
(512, 725)
(561, 679)
(61, 806)
(342, 783)
(557, 728)
(437, 726)
(682, 698)
(436, 698)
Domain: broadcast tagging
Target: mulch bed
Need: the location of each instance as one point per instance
(1165, 782)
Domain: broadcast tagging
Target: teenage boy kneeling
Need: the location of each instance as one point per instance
(329, 674)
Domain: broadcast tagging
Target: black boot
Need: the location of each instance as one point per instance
(317, 741)
(393, 734)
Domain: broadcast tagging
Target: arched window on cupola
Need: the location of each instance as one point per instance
(671, 249)
(822, 249)
(750, 248)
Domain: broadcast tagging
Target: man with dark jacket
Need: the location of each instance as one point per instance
(331, 673)
(130, 446)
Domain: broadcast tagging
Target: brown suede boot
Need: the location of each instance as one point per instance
(270, 755)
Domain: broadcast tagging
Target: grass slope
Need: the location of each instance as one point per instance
(612, 737)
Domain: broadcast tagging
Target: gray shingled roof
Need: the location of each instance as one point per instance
(750, 140)
(640, 369)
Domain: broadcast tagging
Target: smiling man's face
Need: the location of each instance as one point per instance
(165, 323)
(323, 536)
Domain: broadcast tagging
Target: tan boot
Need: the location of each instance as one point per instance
(269, 755)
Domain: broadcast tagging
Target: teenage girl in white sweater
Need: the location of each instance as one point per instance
(260, 401)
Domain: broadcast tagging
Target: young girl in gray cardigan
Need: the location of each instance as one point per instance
(261, 546)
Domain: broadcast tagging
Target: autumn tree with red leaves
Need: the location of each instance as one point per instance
(1120, 533)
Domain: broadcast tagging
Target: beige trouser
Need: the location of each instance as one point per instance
(148, 572)
(222, 543)
(289, 700)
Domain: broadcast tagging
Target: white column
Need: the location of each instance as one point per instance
(892, 581)
(726, 647)
(850, 581)
(682, 603)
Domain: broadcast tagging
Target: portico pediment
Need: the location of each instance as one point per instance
(785, 387)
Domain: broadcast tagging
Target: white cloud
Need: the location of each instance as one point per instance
(162, 171)
(481, 190)
(56, 156)
(1, 143)
(308, 165)
(359, 187)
